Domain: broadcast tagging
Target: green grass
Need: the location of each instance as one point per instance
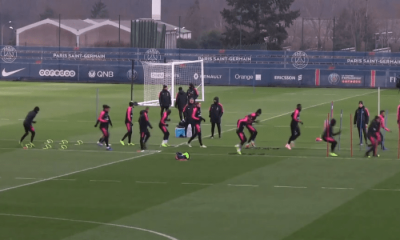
(85, 192)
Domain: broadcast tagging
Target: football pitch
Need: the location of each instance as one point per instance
(269, 193)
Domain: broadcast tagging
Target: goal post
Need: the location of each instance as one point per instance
(174, 75)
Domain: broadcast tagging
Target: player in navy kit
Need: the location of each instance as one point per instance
(163, 126)
(128, 124)
(29, 120)
(104, 120)
(253, 132)
(144, 132)
(294, 126)
(241, 123)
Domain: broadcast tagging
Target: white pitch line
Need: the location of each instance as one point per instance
(201, 184)
(289, 187)
(151, 182)
(390, 190)
(114, 181)
(284, 114)
(24, 178)
(71, 173)
(63, 179)
(91, 222)
(242, 185)
(337, 188)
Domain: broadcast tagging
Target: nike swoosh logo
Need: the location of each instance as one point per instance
(6, 74)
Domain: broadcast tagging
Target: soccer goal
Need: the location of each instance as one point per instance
(174, 75)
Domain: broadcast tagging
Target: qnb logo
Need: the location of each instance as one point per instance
(244, 77)
(56, 73)
(101, 74)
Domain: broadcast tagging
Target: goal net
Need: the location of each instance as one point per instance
(174, 75)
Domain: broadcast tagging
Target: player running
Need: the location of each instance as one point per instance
(294, 127)
(29, 120)
(253, 132)
(163, 126)
(192, 92)
(104, 120)
(215, 113)
(361, 117)
(383, 126)
(241, 123)
(196, 128)
(327, 136)
(128, 124)
(180, 102)
(164, 98)
(374, 136)
(144, 132)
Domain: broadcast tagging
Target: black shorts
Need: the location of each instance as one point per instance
(28, 128)
(217, 120)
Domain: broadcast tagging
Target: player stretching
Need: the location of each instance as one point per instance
(215, 113)
(128, 124)
(196, 129)
(253, 132)
(163, 126)
(327, 136)
(241, 123)
(104, 120)
(180, 102)
(294, 127)
(28, 125)
(164, 98)
(374, 136)
(144, 132)
(361, 117)
(383, 126)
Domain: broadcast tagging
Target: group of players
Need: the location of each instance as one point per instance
(190, 114)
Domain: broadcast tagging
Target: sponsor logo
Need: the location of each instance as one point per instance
(393, 79)
(129, 75)
(334, 78)
(56, 73)
(351, 79)
(8, 54)
(285, 78)
(101, 74)
(197, 76)
(152, 55)
(83, 56)
(157, 75)
(244, 77)
(300, 77)
(300, 59)
(258, 77)
(6, 74)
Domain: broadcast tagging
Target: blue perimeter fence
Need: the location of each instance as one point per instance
(222, 67)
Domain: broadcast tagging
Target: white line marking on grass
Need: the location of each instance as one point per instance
(389, 190)
(114, 181)
(71, 173)
(289, 187)
(151, 182)
(201, 184)
(91, 222)
(24, 178)
(336, 188)
(241, 185)
(63, 179)
(284, 114)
